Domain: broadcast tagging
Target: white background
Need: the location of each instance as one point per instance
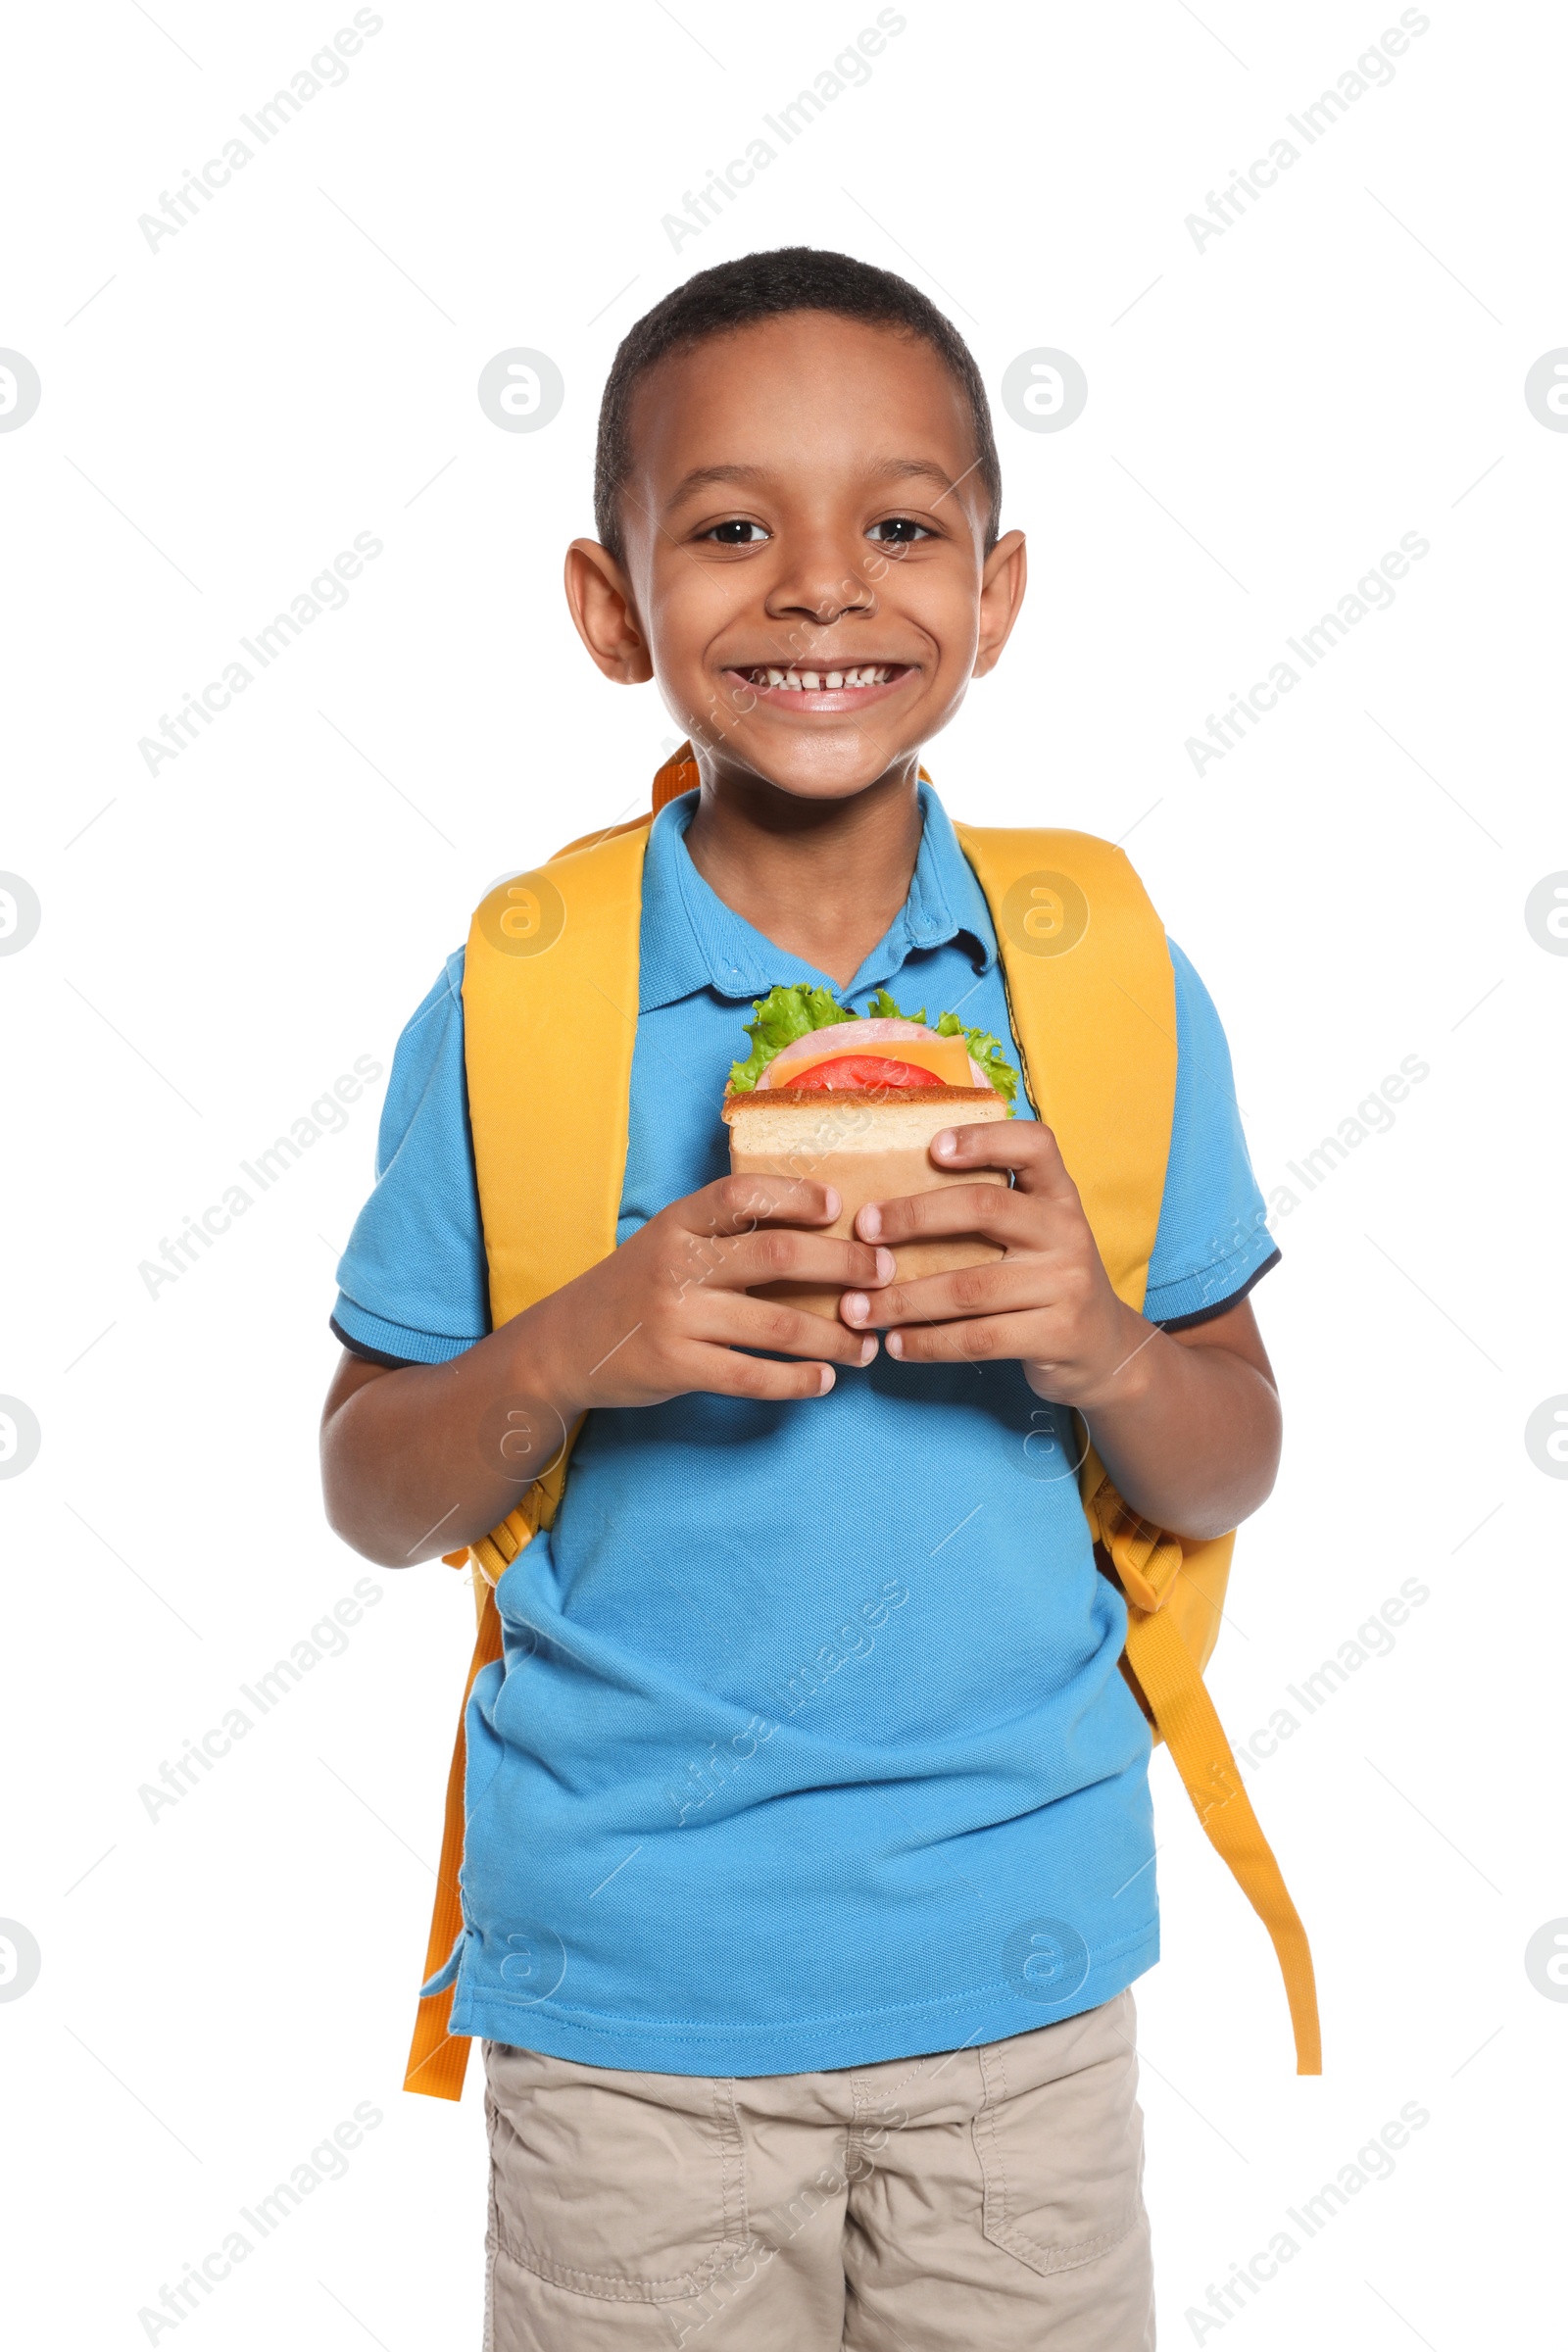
(1344, 365)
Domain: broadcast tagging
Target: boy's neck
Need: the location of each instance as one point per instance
(821, 879)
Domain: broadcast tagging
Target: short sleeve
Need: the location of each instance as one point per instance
(1214, 1241)
(413, 1284)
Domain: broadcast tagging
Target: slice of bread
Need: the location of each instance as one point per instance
(871, 1146)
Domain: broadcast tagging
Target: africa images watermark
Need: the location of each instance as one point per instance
(326, 593)
(1373, 1115)
(1373, 593)
(1374, 2161)
(328, 1115)
(850, 69)
(1374, 1638)
(328, 1637)
(327, 2161)
(851, 1641)
(1373, 70)
(327, 70)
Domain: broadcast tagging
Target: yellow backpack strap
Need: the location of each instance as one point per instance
(438, 2060)
(553, 956)
(1093, 1003)
(1093, 999)
(1174, 1592)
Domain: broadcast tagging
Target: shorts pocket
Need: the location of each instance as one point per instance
(1060, 2140)
(626, 2187)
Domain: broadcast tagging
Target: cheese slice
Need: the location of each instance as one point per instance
(946, 1058)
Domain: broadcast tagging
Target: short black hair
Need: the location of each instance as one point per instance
(771, 285)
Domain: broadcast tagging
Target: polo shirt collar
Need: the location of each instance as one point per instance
(691, 940)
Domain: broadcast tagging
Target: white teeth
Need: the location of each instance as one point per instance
(868, 673)
(814, 681)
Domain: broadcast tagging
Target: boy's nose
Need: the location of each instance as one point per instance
(820, 590)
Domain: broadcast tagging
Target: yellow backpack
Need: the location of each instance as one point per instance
(553, 955)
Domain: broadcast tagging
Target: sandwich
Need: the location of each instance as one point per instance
(855, 1101)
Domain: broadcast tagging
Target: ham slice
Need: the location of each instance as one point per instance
(947, 1057)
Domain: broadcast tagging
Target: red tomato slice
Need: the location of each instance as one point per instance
(862, 1071)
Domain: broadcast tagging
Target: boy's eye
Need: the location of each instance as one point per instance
(898, 530)
(737, 532)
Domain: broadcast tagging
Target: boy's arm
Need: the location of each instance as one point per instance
(1187, 1423)
(1193, 1444)
(423, 1459)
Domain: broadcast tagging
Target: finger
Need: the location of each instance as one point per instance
(731, 1319)
(738, 1203)
(1026, 1146)
(994, 1210)
(985, 1339)
(1005, 1287)
(726, 1372)
(784, 1253)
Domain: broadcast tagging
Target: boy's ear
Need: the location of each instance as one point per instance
(601, 601)
(1001, 587)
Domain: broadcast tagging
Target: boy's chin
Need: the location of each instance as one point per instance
(825, 770)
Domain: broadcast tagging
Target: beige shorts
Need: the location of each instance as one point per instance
(984, 2199)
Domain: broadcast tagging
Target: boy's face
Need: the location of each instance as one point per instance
(803, 507)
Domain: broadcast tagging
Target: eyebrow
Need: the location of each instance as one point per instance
(706, 478)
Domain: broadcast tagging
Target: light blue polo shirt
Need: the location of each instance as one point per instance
(808, 1746)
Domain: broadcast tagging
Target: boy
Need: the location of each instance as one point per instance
(767, 2065)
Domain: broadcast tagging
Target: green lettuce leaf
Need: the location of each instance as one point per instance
(987, 1051)
(786, 1014)
(883, 1008)
(783, 1016)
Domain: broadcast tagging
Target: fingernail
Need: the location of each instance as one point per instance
(894, 1343)
(831, 1202)
(868, 1348)
(869, 1221)
(887, 1265)
(826, 1379)
(856, 1307)
(945, 1141)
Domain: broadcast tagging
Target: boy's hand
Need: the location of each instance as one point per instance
(668, 1312)
(1187, 1423)
(425, 1458)
(1048, 1302)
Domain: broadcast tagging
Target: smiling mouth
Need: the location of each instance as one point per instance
(845, 685)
